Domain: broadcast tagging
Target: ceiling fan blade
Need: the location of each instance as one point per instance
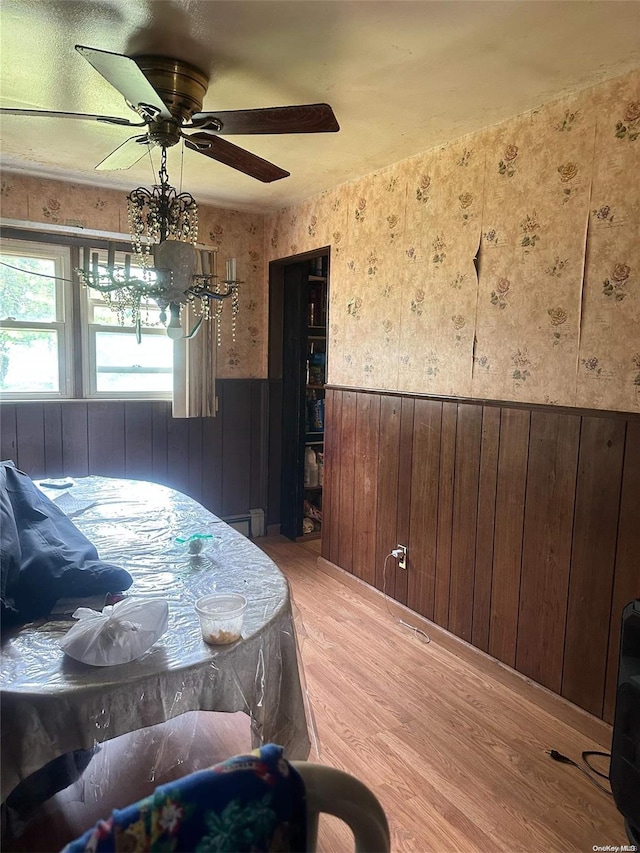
(124, 75)
(229, 154)
(88, 116)
(305, 118)
(127, 154)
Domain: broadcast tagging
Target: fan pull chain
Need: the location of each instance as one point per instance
(153, 172)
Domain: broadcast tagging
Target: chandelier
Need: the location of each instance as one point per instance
(167, 267)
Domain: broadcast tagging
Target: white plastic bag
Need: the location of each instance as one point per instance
(121, 633)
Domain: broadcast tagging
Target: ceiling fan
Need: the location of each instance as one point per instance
(167, 96)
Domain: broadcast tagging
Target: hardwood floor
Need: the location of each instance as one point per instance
(450, 741)
(454, 750)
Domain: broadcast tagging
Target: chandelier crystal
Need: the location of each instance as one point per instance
(167, 268)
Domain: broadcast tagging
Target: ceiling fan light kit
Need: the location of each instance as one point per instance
(167, 96)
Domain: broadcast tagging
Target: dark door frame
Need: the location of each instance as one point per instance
(275, 377)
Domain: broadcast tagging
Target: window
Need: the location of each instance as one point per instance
(117, 365)
(46, 352)
(35, 312)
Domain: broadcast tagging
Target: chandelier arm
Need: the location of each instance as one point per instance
(109, 288)
(201, 291)
(135, 284)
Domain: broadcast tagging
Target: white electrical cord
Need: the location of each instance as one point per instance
(419, 633)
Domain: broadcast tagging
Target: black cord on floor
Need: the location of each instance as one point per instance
(588, 752)
(563, 759)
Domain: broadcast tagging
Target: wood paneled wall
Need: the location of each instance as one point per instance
(522, 524)
(221, 461)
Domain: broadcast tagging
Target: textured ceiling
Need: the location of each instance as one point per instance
(401, 77)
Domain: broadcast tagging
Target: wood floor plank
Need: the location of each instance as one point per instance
(455, 754)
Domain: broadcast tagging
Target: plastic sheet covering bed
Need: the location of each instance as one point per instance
(53, 705)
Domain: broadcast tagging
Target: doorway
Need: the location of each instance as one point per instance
(298, 306)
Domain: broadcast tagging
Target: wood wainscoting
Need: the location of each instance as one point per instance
(522, 525)
(220, 462)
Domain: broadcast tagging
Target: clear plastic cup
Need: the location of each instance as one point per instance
(221, 617)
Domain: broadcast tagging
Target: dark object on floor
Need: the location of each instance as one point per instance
(27, 798)
(625, 748)
(43, 555)
(128, 768)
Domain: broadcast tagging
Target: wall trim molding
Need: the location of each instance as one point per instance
(64, 400)
(582, 721)
(480, 401)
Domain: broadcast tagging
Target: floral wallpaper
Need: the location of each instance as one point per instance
(505, 265)
(239, 234)
(609, 356)
(444, 219)
(536, 208)
(367, 313)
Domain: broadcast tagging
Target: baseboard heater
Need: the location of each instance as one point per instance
(250, 524)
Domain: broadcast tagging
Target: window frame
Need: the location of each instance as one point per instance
(78, 359)
(62, 325)
(89, 332)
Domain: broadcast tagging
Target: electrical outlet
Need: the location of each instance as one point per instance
(402, 560)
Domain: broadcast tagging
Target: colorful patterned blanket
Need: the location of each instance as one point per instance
(250, 802)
